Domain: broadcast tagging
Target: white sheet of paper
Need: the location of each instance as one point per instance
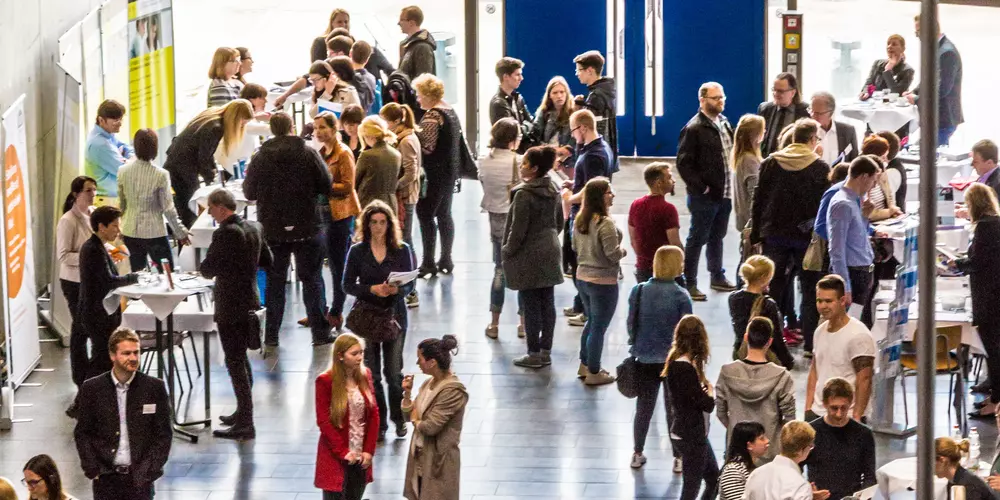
(400, 279)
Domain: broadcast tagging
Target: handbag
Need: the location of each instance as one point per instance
(467, 168)
(372, 322)
(625, 374)
(514, 178)
(815, 254)
(255, 333)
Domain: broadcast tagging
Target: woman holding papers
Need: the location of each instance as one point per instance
(329, 81)
(983, 269)
(379, 313)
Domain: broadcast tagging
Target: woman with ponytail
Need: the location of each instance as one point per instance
(948, 455)
(378, 165)
(71, 233)
(348, 421)
(403, 123)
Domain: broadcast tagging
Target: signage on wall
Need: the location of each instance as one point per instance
(791, 49)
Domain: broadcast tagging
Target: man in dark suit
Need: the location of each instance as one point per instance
(838, 139)
(949, 89)
(984, 162)
(98, 276)
(786, 108)
(703, 149)
(123, 432)
(236, 252)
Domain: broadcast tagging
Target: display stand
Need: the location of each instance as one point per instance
(889, 348)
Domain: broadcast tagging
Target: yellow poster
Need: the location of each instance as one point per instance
(151, 67)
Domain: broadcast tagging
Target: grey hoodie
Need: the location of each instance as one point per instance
(757, 393)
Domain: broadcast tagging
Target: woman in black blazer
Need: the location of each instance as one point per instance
(891, 74)
(693, 398)
(983, 269)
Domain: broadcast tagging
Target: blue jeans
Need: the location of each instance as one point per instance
(709, 223)
(599, 303)
(309, 268)
(338, 242)
(498, 287)
(944, 135)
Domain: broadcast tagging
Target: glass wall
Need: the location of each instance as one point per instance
(869, 23)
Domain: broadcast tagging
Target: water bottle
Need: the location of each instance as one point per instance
(956, 433)
(974, 451)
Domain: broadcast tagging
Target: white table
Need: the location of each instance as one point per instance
(899, 476)
(300, 96)
(970, 336)
(235, 186)
(161, 302)
(953, 238)
(881, 116)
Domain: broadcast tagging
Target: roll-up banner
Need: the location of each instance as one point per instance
(151, 69)
(17, 260)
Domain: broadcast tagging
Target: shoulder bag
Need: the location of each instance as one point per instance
(626, 372)
(372, 322)
(756, 310)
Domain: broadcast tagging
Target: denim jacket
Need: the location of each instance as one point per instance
(653, 317)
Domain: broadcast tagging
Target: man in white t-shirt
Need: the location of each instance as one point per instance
(843, 347)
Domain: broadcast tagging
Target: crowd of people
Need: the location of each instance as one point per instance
(345, 190)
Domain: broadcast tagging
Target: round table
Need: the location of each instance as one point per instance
(200, 197)
(881, 116)
(900, 476)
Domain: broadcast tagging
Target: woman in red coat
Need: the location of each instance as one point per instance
(348, 421)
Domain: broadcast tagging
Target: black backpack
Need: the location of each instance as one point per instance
(397, 89)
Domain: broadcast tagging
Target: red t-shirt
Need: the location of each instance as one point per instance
(651, 216)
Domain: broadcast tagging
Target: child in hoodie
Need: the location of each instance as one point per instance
(754, 389)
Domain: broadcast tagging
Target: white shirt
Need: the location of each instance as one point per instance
(828, 139)
(124, 454)
(779, 480)
(834, 353)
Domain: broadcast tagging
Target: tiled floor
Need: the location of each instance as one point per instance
(527, 434)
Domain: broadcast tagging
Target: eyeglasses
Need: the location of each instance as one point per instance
(574, 129)
(781, 91)
(31, 483)
(317, 79)
(716, 98)
(819, 113)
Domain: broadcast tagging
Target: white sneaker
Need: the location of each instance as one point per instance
(678, 465)
(578, 320)
(638, 460)
(570, 311)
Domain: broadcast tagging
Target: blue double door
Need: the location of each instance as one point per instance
(659, 52)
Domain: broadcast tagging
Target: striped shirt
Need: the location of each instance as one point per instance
(220, 91)
(733, 480)
(145, 197)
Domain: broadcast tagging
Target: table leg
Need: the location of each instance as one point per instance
(159, 350)
(172, 367)
(208, 370)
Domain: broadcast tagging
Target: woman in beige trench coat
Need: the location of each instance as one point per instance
(434, 463)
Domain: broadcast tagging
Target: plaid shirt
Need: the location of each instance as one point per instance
(727, 152)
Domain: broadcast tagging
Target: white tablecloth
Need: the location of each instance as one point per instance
(201, 231)
(200, 197)
(897, 477)
(881, 116)
(300, 96)
(188, 316)
(156, 296)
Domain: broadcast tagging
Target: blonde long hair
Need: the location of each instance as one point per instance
(567, 108)
(691, 340)
(375, 127)
(338, 377)
(748, 130)
(232, 116)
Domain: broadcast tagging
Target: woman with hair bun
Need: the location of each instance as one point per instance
(947, 465)
(378, 166)
(434, 460)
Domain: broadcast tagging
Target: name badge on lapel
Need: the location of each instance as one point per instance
(149, 409)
